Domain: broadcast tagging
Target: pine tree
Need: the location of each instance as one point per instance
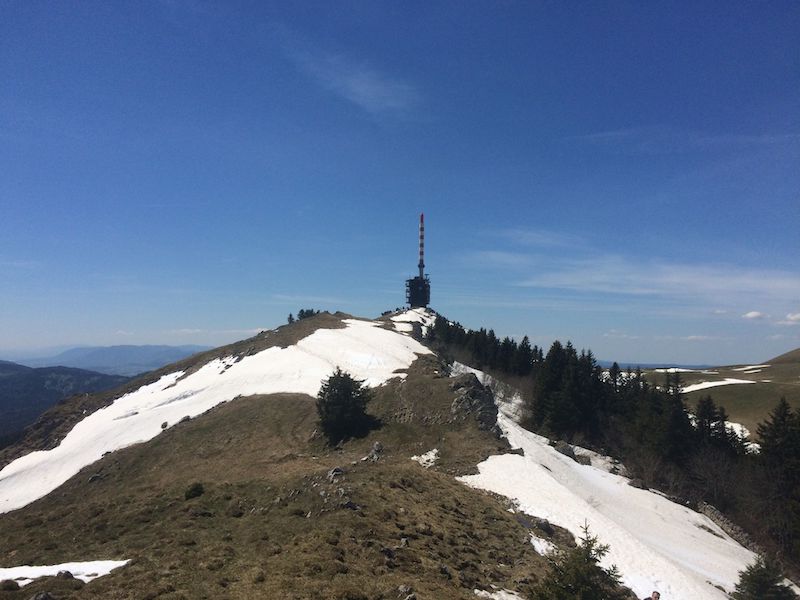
(705, 415)
(577, 574)
(341, 406)
(762, 581)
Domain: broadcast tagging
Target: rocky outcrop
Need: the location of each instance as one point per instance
(474, 399)
(729, 527)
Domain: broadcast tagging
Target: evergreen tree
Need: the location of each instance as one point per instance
(577, 574)
(524, 358)
(290, 320)
(614, 376)
(705, 416)
(762, 581)
(341, 406)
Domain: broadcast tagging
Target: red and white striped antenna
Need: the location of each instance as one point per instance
(421, 245)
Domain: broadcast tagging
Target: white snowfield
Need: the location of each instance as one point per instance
(709, 384)
(424, 316)
(655, 543)
(363, 348)
(750, 367)
(85, 571)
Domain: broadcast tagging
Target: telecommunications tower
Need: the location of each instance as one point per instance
(418, 289)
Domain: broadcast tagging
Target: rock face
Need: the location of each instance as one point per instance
(474, 399)
(732, 529)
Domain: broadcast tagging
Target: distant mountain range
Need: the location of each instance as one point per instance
(116, 360)
(25, 393)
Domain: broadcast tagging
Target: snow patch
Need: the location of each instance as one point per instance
(362, 348)
(85, 571)
(499, 595)
(428, 459)
(655, 543)
(424, 316)
(750, 367)
(709, 384)
(542, 546)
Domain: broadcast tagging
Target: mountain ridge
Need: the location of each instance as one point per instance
(372, 520)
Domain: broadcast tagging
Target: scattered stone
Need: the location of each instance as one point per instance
(164, 425)
(43, 596)
(9, 585)
(637, 483)
(95, 477)
(443, 568)
(374, 454)
(583, 459)
(544, 526)
(185, 419)
(334, 473)
(732, 529)
(564, 448)
(65, 575)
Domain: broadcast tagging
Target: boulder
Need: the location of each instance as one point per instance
(474, 399)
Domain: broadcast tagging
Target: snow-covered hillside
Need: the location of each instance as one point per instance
(656, 543)
(363, 348)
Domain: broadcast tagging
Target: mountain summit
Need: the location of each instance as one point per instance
(208, 478)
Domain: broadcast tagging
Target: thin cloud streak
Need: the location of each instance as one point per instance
(664, 140)
(350, 78)
(616, 275)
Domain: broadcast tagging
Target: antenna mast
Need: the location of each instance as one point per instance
(421, 245)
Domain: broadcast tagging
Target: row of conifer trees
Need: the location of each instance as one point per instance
(688, 452)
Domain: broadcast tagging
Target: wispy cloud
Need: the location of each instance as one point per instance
(12, 263)
(666, 140)
(754, 315)
(351, 78)
(540, 238)
(620, 335)
(791, 320)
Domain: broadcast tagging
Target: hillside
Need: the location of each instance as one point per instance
(25, 393)
(748, 392)
(124, 360)
(282, 515)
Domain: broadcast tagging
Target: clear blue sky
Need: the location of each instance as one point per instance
(622, 174)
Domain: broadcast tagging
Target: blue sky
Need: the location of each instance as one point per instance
(623, 174)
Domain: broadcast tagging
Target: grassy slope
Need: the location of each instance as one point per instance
(748, 404)
(270, 524)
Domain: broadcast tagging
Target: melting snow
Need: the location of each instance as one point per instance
(428, 459)
(709, 384)
(424, 316)
(85, 571)
(542, 546)
(656, 544)
(364, 349)
(498, 595)
(751, 367)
